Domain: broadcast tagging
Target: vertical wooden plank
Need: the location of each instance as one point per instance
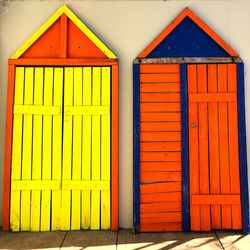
(234, 161)
(57, 149)
(8, 149)
(16, 164)
(115, 147)
(224, 147)
(195, 212)
(47, 149)
(136, 152)
(86, 147)
(67, 148)
(96, 135)
(184, 148)
(105, 148)
(63, 36)
(37, 151)
(214, 146)
(243, 147)
(27, 149)
(77, 146)
(203, 146)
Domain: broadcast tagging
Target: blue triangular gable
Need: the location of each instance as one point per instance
(188, 40)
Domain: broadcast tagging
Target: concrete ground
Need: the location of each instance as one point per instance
(123, 240)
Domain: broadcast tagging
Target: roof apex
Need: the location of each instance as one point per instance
(63, 10)
(187, 12)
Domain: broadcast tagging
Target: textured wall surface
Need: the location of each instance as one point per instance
(126, 27)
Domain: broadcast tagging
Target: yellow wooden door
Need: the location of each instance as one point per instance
(61, 166)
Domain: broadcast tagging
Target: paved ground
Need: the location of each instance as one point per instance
(123, 240)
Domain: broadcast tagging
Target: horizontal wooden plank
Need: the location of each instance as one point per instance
(161, 227)
(85, 185)
(160, 176)
(215, 199)
(35, 185)
(160, 156)
(86, 110)
(160, 97)
(62, 62)
(170, 116)
(161, 217)
(160, 87)
(160, 136)
(160, 146)
(151, 188)
(167, 78)
(160, 166)
(161, 197)
(213, 97)
(159, 68)
(37, 110)
(160, 207)
(160, 126)
(175, 60)
(160, 107)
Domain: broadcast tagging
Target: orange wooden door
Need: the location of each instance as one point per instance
(213, 147)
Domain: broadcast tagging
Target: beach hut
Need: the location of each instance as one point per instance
(61, 152)
(190, 162)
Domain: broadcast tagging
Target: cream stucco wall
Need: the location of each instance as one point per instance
(126, 27)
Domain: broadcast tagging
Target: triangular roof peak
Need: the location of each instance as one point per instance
(63, 35)
(192, 21)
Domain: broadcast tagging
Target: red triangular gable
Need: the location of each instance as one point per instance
(63, 39)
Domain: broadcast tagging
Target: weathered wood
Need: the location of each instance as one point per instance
(173, 60)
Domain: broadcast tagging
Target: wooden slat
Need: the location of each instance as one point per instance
(161, 227)
(174, 117)
(105, 149)
(86, 148)
(77, 152)
(233, 147)
(213, 97)
(160, 146)
(159, 68)
(115, 147)
(160, 207)
(160, 87)
(161, 197)
(35, 185)
(37, 151)
(47, 149)
(160, 107)
(67, 148)
(57, 150)
(159, 97)
(37, 110)
(161, 217)
(160, 126)
(168, 78)
(16, 163)
(203, 145)
(194, 149)
(224, 147)
(160, 187)
(27, 149)
(86, 110)
(96, 145)
(160, 156)
(160, 176)
(161, 166)
(214, 146)
(215, 199)
(160, 136)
